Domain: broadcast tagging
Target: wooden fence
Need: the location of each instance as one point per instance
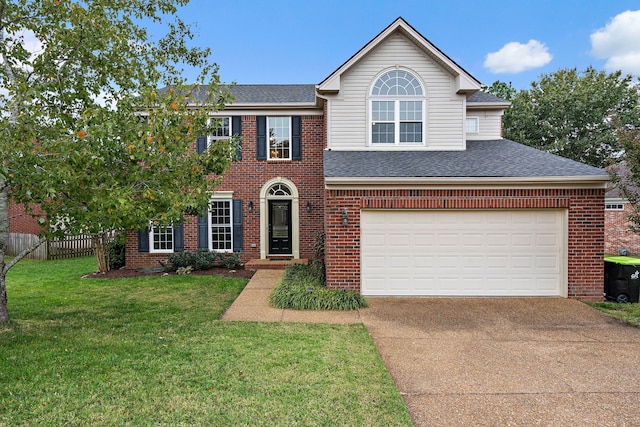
(57, 248)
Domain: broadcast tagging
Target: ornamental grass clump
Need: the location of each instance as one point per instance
(302, 288)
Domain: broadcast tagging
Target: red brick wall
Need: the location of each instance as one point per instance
(585, 226)
(21, 222)
(617, 234)
(247, 177)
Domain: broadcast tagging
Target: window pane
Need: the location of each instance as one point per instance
(221, 226)
(411, 111)
(472, 125)
(383, 133)
(162, 237)
(397, 83)
(222, 128)
(383, 111)
(411, 132)
(279, 137)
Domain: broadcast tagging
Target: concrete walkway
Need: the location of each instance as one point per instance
(253, 305)
(489, 361)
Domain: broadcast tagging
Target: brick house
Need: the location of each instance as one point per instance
(398, 156)
(617, 209)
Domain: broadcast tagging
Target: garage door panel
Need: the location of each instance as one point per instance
(468, 253)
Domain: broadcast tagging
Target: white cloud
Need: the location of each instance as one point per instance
(516, 57)
(619, 43)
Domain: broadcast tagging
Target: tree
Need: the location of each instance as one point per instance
(574, 114)
(626, 173)
(501, 90)
(87, 134)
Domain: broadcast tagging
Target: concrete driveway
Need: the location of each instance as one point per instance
(508, 361)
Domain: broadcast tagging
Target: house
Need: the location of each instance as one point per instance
(398, 156)
(619, 239)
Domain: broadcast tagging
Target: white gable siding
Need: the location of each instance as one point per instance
(348, 110)
(490, 122)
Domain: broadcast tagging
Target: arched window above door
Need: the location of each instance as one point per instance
(279, 190)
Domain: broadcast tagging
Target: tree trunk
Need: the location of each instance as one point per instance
(100, 248)
(4, 242)
(4, 311)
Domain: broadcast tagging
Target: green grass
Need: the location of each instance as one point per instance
(151, 351)
(629, 313)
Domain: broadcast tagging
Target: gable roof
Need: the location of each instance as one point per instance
(502, 160)
(465, 82)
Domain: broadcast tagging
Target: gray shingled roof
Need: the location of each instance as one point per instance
(481, 96)
(267, 94)
(301, 93)
(481, 159)
(274, 94)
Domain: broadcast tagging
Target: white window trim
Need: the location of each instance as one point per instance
(152, 249)
(221, 197)
(290, 139)
(397, 98)
(614, 206)
(477, 126)
(211, 138)
(396, 121)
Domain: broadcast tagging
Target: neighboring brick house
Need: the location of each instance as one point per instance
(399, 158)
(619, 238)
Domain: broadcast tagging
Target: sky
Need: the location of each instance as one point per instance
(516, 41)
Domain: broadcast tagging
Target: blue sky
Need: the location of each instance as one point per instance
(282, 41)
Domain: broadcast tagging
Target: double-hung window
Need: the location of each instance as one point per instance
(221, 130)
(397, 109)
(160, 238)
(279, 138)
(221, 225)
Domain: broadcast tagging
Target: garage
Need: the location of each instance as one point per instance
(489, 252)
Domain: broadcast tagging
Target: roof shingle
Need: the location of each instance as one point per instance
(481, 159)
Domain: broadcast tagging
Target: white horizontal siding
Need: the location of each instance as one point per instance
(490, 122)
(348, 115)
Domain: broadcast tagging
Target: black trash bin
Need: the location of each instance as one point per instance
(621, 278)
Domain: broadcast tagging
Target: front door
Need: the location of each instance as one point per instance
(280, 227)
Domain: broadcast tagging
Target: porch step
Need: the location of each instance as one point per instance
(273, 263)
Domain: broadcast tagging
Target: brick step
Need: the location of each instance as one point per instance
(273, 263)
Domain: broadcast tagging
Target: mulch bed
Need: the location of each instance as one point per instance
(215, 271)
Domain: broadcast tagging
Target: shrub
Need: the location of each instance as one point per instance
(116, 250)
(184, 271)
(199, 260)
(303, 289)
(229, 261)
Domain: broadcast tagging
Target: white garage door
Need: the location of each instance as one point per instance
(463, 253)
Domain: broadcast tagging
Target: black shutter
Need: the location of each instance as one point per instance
(201, 144)
(178, 238)
(236, 126)
(296, 138)
(203, 233)
(237, 225)
(143, 241)
(261, 137)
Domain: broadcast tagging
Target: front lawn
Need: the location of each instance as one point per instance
(149, 351)
(629, 313)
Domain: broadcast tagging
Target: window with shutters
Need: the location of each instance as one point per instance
(222, 129)
(279, 138)
(221, 226)
(160, 238)
(397, 109)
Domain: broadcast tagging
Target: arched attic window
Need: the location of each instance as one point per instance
(397, 106)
